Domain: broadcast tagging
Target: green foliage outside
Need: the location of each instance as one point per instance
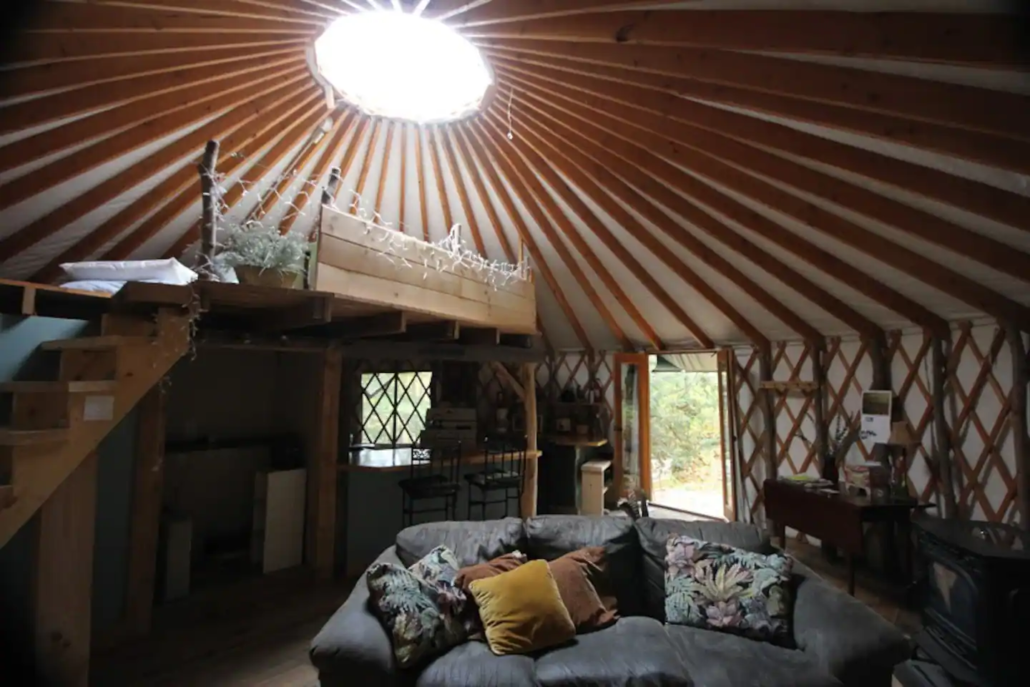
(379, 414)
(685, 430)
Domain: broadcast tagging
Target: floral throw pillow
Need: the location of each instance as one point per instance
(420, 607)
(718, 587)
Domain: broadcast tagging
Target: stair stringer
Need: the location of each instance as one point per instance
(38, 470)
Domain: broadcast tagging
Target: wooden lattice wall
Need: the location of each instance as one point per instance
(977, 390)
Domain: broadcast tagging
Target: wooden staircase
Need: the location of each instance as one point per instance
(55, 425)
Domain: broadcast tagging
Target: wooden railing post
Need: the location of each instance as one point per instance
(942, 433)
(209, 203)
(528, 502)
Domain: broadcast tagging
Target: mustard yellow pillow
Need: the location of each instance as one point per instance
(522, 610)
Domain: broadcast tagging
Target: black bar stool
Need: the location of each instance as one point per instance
(432, 476)
(502, 476)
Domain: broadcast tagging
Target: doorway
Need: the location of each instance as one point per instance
(686, 437)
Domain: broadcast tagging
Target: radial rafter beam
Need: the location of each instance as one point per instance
(469, 139)
(420, 175)
(183, 184)
(74, 17)
(548, 152)
(987, 39)
(599, 161)
(536, 164)
(506, 11)
(401, 226)
(466, 205)
(441, 184)
(985, 148)
(630, 148)
(243, 9)
(622, 104)
(533, 195)
(948, 104)
(384, 169)
(366, 165)
(335, 138)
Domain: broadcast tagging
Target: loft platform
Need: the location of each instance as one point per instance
(376, 266)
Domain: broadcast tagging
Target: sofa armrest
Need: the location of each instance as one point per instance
(845, 637)
(353, 648)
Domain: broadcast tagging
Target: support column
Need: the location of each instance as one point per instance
(822, 429)
(769, 419)
(881, 382)
(1017, 413)
(145, 525)
(942, 433)
(529, 492)
(63, 582)
(323, 449)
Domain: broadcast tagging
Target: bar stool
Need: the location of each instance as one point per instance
(432, 476)
(502, 476)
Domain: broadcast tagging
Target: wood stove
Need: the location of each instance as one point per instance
(975, 600)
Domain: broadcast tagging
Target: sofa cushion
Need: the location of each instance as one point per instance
(471, 664)
(653, 534)
(715, 659)
(582, 578)
(633, 652)
(471, 542)
(552, 536)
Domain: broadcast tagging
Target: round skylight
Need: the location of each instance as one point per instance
(403, 66)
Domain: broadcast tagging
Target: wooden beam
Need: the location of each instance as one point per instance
(145, 519)
(480, 336)
(528, 502)
(1018, 422)
(469, 138)
(942, 458)
(531, 192)
(312, 312)
(466, 206)
(332, 187)
(208, 169)
(967, 107)
(765, 374)
(320, 531)
(366, 165)
(63, 579)
(386, 324)
(444, 330)
(506, 11)
(331, 149)
(441, 184)
(509, 380)
(420, 175)
(401, 226)
(987, 39)
(517, 340)
(387, 149)
(226, 8)
(68, 17)
(352, 151)
(606, 146)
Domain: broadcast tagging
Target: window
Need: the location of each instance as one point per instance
(399, 65)
(393, 407)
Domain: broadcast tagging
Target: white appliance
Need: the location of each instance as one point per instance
(277, 538)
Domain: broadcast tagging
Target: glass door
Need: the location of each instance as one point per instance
(632, 468)
(728, 431)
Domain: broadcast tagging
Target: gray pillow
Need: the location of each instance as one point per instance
(471, 542)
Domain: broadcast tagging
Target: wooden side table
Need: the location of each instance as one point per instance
(838, 519)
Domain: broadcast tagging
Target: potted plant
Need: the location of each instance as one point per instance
(845, 434)
(263, 256)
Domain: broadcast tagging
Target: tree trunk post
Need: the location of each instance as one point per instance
(331, 188)
(769, 419)
(1017, 415)
(942, 433)
(881, 382)
(209, 223)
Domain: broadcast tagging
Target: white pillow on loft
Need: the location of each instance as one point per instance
(169, 271)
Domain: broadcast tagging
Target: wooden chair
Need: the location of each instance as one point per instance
(433, 476)
(502, 477)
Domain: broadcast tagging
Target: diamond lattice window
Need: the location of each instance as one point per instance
(393, 407)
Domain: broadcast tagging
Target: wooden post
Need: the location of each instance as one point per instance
(331, 188)
(881, 381)
(320, 537)
(146, 512)
(942, 433)
(1017, 415)
(769, 419)
(822, 429)
(209, 203)
(63, 583)
(528, 504)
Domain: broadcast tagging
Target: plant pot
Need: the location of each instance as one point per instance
(256, 276)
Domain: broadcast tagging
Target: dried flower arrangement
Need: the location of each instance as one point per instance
(254, 250)
(846, 432)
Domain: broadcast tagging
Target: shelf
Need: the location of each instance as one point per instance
(573, 440)
(791, 385)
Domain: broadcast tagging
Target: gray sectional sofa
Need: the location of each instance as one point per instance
(839, 641)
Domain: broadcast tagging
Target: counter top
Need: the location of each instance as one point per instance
(399, 459)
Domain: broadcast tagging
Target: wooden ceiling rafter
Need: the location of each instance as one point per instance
(334, 138)
(248, 9)
(463, 196)
(61, 17)
(351, 153)
(984, 148)
(403, 182)
(256, 171)
(535, 163)
(700, 192)
(366, 166)
(968, 107)
(471, 145)
(50, 108)
(441, 184)
(608, 198)
(420, 175)
(385, 167)
(107, 190)
(534, 198)
(183, 185)
(506, 11)
(598, 161)
(597, 164)
(904, 218)
(988, 40)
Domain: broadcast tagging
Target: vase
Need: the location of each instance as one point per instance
(257, 276)
(828, 469)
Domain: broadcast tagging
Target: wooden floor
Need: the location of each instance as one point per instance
(254, 633)
(257, 633)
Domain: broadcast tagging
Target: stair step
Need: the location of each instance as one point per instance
(29, 437)
(96, 343)
(82, 387)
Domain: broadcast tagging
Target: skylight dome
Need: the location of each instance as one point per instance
(402, 66)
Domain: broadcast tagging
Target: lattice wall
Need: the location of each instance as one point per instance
(977, 413)
(571, 369)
